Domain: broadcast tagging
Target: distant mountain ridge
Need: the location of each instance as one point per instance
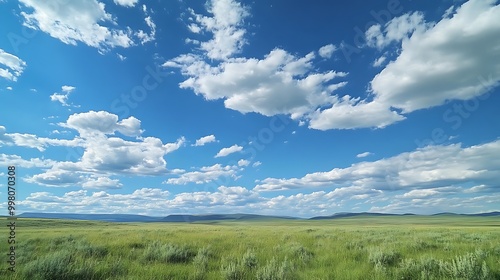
(219, 217)
(143, 218)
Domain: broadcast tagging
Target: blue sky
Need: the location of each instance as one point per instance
(168, 107)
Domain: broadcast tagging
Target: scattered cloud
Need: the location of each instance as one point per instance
(352, 113)
(225, 25)
(365, 154)
(281, 83)
(102, 183)
(8, 88)
(120, 57)
(143, 36)
(205, 175)
(243, 162)
(99, 123)
(327, 51)
(205, 140)
(14, 66)
(379, 61)
(16, 160)
(395, 30)
(76, 21)
(103, 153)
(227, 151)
(429, 167)
(453, 59)
(257, 163)
(63, 98)
(33, 141)
(126, 3)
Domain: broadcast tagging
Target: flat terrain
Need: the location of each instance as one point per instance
(399, 247)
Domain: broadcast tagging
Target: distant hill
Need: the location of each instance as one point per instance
(179, 218)
(142, 218)
(220, 217)
(94, 217)
(348, 214)
(488, 214)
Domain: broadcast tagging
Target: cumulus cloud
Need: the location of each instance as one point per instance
(204, 175)
(102, 183)
(455, 58)
(243, 162)
(205, 140)
(143, 36)
(83, 21)
(126, 3)
(230, 150)
(15, 160)
(429, 167)
(365, 154)
(395, 30)
(351, 113)
(103, 153)
(327, 51)
(102, 122)
(76, 21)
(225, 25)
(33, 141)
(63, 98)
(281, 83)
(379, 61)
(14, 66)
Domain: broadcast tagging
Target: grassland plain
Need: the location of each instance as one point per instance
(401, 247)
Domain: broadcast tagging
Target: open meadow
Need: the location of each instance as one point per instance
(401, 247)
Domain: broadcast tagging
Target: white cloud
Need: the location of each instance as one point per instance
(76, 21)
(327, 51)
(126, 3)
(102, 183)
(7, 160)
(204, 175)
(102, 122)
(236, 199)
(68, 89)
(420, 193)
(195, 28)
(429, 70)
(225, 25)
(121, 57)
(379, 61)
(429, 167)
(227, 151)
(455, 58)
(8, 88)
(14, 66)
(280, 83)
(63, 98)
(33, 141)
(102, 153)
(243, 162)
(350, 113)
(205, 140)
(143, 36)
(395, 30)
(257, 163)
(365, 154)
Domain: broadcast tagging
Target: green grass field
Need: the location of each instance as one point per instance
(398, 247)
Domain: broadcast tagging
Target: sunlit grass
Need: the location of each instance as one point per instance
(351, 248)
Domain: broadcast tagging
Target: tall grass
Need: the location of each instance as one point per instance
(347, 249)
